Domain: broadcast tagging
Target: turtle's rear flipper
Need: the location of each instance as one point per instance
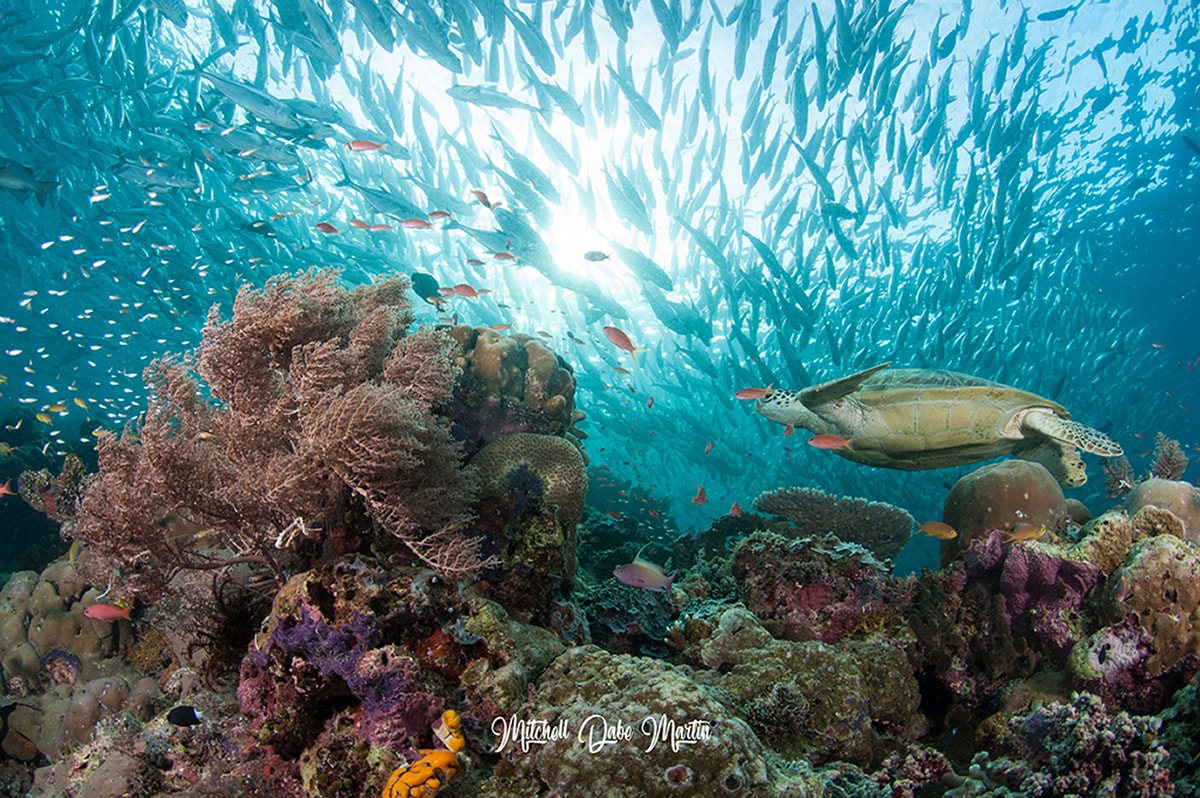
(833, 390)
(1078, 435)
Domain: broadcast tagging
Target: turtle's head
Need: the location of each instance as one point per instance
(785, 407)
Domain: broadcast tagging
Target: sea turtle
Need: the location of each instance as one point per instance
(917, 419)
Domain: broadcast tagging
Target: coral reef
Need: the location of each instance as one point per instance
(628, 620)
(1180, 733)
(851, 702)
(880, 527)
(1001, 496)
(589, 691)
(63, 669)
(511, 384)
(1180, 498)
(1153, 648)
(532, 489)
(808, 588)
(1076, 748)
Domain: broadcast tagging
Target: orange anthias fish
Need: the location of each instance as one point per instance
(746, 394)
(360, 224)
(735, 510)
(829, 441)
(363, 145)
(622, 342)
(415, 223)
(701, 496)
(6, 489)
(437, 216)
(708, 448)
(936, 529)
(107, 612)
(644, 574)
(469, 291)
(326, 227)
(1024, 532)
(650, 403)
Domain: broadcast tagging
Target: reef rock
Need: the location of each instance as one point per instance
(1001, 496)
(635, 726)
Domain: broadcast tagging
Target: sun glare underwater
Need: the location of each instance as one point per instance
(567, 317)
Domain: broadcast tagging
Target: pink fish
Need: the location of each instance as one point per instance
(622, 342)
(829, 441)
(107, 612)
(746, 394)
(644, 574)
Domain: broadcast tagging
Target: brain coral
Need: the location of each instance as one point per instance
(1001, 496)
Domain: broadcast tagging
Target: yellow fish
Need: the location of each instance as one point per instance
(80, 402)
(57, 407)
(44, 418)
(1024, 532)
(936, 529)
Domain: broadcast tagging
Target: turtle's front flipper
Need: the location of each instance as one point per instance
(828, 392)
(1060, 459)
(1072, 432)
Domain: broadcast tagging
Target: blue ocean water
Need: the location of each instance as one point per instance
(756, 194)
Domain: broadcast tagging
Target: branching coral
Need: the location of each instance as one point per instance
(882, 528)
(317, 419)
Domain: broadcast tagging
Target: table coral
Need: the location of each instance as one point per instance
(880, 527)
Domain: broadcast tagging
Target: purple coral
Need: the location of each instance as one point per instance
(347, 659)
(1043, 593)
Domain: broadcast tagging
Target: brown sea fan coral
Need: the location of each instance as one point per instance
(1169, 460)
(322, 424)
(880, 527)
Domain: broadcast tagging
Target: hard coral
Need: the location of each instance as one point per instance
(511, 384)
(808, 588)
(590, 691)
(532, 490)
(1082, 749)
(1001, 496)
(852, 701)
(1153, 648)
(1180, 498)
(880, 527)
